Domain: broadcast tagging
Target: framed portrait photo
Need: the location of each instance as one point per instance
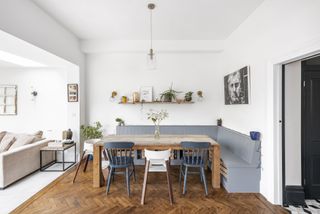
(237, 87)
(72, 92)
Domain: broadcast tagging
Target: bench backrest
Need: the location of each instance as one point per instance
(240, 144)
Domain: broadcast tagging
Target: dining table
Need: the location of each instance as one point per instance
(149, 142)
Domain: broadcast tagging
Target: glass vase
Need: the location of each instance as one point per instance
(156, 132)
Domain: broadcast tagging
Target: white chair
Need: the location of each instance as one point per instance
(87, 152)
(157, 161)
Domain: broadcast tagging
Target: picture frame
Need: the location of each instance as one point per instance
(146, 94)
(237, 87)
(73, 92)
(8, 99)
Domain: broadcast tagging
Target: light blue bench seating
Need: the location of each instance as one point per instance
(240, 156)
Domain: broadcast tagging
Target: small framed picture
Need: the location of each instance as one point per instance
(146, 94)
(72, 92)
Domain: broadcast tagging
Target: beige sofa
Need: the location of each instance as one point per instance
(21, 161)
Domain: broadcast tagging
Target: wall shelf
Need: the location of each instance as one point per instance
(154, 102)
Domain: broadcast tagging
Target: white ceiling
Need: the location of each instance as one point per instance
(129, 19)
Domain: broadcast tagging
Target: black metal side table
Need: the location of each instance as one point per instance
(55, 150)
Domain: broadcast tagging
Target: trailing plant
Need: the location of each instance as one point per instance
(169, 95)
(120, 121)
(91, 132)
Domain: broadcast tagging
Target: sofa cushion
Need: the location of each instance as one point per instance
(2, 134)
(6, 142)
(38, 134)
(21, 140)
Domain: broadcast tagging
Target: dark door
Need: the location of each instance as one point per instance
(311, 129)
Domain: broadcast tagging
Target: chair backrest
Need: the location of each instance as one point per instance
(119, 153)
(157, 155)
(195, 153)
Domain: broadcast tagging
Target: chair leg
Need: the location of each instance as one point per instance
(134, 172)
(185, 180)
(109, 179)
(78, 167)
(169, 183)
(144, 188)
(180, 177)
(204, 180)
(86, 164)
(128, 181)
(201, 178)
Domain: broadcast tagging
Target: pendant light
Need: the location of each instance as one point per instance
(151, 57)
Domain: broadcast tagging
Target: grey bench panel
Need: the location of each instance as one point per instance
(231, 160)
(211, 131)
(240, 144)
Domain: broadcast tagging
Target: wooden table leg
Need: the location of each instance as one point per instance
(215, 167)
(97, 166)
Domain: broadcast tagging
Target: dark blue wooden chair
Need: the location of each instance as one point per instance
(120, 157)
(195, 155)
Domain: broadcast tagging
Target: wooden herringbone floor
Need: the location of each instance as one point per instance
(64, 197)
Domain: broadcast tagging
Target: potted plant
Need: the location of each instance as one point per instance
(120, 121)
(92, 134)
(188, 96)
(169, 95)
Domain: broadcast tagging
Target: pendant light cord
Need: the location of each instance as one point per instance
(151, 28)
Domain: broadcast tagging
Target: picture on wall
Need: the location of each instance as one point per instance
(72, 92)
(8, 99)
(146, 94)
(236, 87)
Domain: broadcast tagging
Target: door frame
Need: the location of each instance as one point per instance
(275, 114)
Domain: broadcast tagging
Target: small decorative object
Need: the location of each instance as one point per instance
(200, 95)
(135, 97)
(219, 122)
(91, 132)
(188, 96)
(179, 100)
(156, 117)
(236, 87)
(124, 99)
(34, 93)
(72, 92)
(8, 99)
(169, 95)
(146, 94)
(67, 135)
(255, 135)
(120, 121)
(114, 94)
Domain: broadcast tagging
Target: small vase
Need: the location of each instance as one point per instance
(156, 132)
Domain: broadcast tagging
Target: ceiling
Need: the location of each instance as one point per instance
(129, 19)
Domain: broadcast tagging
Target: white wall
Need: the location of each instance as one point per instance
(28, 22)
(47, 112)
(293, 123)
(126, 73)
(275, 29)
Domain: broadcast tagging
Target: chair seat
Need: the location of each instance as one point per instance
(157, 166)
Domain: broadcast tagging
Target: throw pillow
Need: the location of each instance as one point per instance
(2, 134)
(6, 142)
(38, 134)
(21, 140)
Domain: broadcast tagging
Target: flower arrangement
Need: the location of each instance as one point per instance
(156, 117)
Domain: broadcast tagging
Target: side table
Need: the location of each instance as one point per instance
(55, 150)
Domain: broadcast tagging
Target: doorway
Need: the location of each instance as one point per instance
(301, 130)
(311, 127)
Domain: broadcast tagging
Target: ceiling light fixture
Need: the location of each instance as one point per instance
(151, 58)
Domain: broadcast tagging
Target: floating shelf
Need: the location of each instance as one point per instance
(154, 102)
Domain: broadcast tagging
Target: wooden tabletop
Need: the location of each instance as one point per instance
(164, 140)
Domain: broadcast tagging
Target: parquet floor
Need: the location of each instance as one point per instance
(64, 197)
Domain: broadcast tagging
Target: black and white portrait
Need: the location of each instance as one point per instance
(236, 87)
